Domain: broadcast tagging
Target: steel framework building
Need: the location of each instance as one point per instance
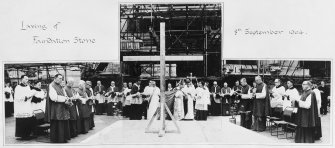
(193, 39)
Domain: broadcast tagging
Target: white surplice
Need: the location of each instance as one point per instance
(154, 93)
(190, 91)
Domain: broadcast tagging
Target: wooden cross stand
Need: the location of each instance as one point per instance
(163, 105)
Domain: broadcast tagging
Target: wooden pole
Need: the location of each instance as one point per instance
(162, 77)
(163, 106)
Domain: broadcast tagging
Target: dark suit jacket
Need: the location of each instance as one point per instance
(96, 89)
(116, 89)
(218, 89)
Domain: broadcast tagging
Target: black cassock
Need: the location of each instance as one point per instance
(324, 99)
(59, 118)
(100, 107)
(246, 106)
(73, 113)
(261, 108)
(111, 106)
(226, 101)
(90, 104)
(136, 110)
(306, 120)
(215, 107)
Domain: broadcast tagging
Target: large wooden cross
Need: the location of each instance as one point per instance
(163, 105)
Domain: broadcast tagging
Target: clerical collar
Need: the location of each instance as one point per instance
(35, 88)
(291, 88)
(23, 85)
(307, 90)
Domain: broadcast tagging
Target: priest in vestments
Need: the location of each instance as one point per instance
(318, 130)
(136, 102)
(74, 114)
(23, 112)
(99, 92)
(202, 101)
(261, 107)
(235, 97)
(90, 102)
(246, 104)
(226, 101)
(8, 97)
(59, 111)
(189, 90)
(307, 115)
(277, 97)
(146, 96)
(84, 110)
(111, 94)
(325, 92)
(126, 99)
(154, 95)
(215, 107)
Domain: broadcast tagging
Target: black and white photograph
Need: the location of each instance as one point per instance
(174, 73)
(252, 101)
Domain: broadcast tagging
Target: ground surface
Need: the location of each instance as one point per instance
(216, 130)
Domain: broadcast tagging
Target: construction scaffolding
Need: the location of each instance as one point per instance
(44, 72)
(193, 39)
(283, 69)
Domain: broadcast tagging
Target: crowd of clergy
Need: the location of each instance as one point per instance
(70, 111)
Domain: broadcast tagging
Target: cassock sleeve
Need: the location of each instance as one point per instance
(54, 96)
(307, 103)
(261, 95)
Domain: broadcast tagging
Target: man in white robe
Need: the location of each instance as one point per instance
(276, 95)
(291, 94)
(23, 111)
(189, 90)
(153, 99)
